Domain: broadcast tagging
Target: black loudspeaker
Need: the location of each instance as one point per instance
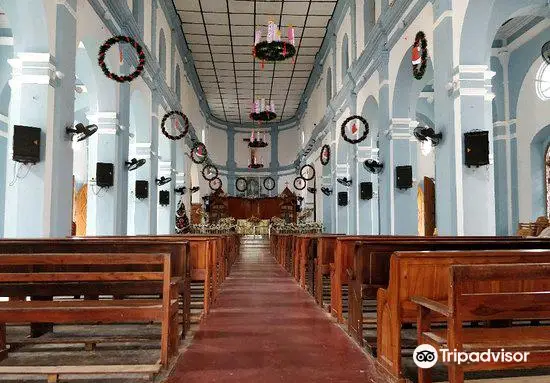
(104, 174)
(366, 190)
(164, 197)
(403, 177)
(476, 148)
(342, 198)
(142, 189)
(26, 144)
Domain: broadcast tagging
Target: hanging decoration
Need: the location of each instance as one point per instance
(307, 172)
(269, 183)
(241, 184)
(256, 141)
(354, 129)
(545, 52)
(419, 55)
(262, 112)
(182, 221)
(198, 153)
(210, 172)
(215, 184)
(325, 155)
(183, 131)
(273, 48)
(254, 164)
(299, 183)
(108, 44)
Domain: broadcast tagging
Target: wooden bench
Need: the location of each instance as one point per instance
(490, 292)
(371, 265)
(425, 274)
(178, 249)
(326, 245)
(104, 271)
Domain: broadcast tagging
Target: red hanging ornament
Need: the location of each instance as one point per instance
(284, 49)
(354, 128)
(262, 64)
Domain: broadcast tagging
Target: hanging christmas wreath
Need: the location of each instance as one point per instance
(307, 172)
(108, 44)
(269, 183)
(210, 172)
(299, 183)
(241, 184)
(274, 51)
(325, 155)
(264, 116)
(184, 130)
(419, 55)
(215, 184)
(354, 129)
(198, 153)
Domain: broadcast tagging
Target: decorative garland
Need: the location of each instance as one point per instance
(299, 179)
(241, 179)
(185, 125)
(194, 149)
(325, 148)
(274, 51)
(272, 183)
(213, 169)
(307, 166)
(108, 44)
(343, 130)
(421, 47)
(213, 182)
(264, 116)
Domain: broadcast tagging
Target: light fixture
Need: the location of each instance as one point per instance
(81, 132)
(273, 48)
(312, 190)
(162, 180)
(326, 191)
(195, 189)
(262, 112)
(181, 190)
(134, 164)
(344, 181)
(427, 134)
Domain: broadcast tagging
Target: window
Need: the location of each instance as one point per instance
(369, 17)
(345, 57)
(329, 85)
(542, 82)
(162, 52)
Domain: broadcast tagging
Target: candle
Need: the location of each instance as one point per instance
(257, 106)
(290, 34)
(262, 105)
(264, 137)
(252, 135)
(270, 31)
(272, 107)
(258, 36)
(278, 35)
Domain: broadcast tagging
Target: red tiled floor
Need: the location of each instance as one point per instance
(264, 328)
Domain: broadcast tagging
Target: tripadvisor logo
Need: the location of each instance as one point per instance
(426, 356)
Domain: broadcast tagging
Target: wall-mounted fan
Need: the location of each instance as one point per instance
(134, 164)
(427, 134)
(162, 180)
(181, 190)
(312, 190)
(545, 52)
(373, 166)
(326, 191)
(81, 132)
(195, 189)
(344, 181)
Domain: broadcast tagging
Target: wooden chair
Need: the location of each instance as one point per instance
(489, 292)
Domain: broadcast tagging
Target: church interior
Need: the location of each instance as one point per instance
(275, 190)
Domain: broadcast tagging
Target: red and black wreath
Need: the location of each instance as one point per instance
(325, 155)
(199, 153)
(183, 131)
(215, 184)
(354, 129)
(108, 44)
(419, 55)
(299, 183)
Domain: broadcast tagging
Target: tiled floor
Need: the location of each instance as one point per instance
(264, 328)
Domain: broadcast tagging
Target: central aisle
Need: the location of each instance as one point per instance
(264, 328)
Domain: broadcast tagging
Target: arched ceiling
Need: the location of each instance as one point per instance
(220, 35)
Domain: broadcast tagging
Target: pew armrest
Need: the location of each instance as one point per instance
(432, 305)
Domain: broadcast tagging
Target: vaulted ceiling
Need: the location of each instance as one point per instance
(220, 35)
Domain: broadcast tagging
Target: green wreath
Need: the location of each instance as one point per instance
(194, 149)
(420, 69)
(185, 125)
(108, 44)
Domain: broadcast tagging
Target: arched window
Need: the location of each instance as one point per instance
(543, 82)
(345, 57)
(329, 85)
(162, 52)
(137, 12)
(177, 79)
(369, 17)
(547, 179)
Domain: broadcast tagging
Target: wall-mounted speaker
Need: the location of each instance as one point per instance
(26, 144)
(365, 190)
(104, 174)
(142, 189)
(403, 177)
(164, 197)
(342, 198)
(476, 148)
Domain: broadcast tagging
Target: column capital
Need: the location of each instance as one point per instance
(143, 150)
(165, 168)
(34, 68)
(399, 129)
(473, 80)
(107, 122)
(342, 170)
(367, 153)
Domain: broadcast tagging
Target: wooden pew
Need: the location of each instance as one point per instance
(484, 293)
(178, 248)
(426, 274)
(72, 273)
(371, 263)
(326, 244)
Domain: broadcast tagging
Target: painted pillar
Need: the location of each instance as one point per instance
(384, 178)
(231, 164)
(367, 216)
(342, 212)
(102, 147)
(142, 220)
(353, 210)
(153, 189)
(164, 212)
(123, 155)
(6, 51)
